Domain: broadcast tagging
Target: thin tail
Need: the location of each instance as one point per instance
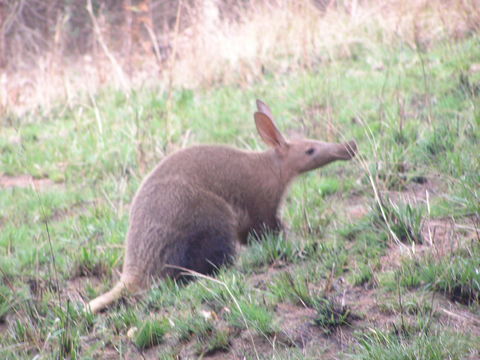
(106, 299)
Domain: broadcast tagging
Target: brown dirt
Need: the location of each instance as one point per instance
(75, 288)
(73, 210)
(357, 206)
(25, 181)
(441, 238)
(457, 316)
(415, 192)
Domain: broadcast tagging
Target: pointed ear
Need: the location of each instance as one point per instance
(262, 107)
(268, 131)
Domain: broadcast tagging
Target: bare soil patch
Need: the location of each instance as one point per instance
(418, 191)
(75, 288)
(457, 316)
(441, 237)
(357, 206)
(25, 181)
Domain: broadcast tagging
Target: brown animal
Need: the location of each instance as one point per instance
(198, 202)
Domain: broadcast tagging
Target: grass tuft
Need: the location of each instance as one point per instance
(456, 276)
(217, 341)
(379, 345)
(195, 325)
(151, 333)
(330, 315)
(270, 249)
(404, 220)
(90, 263)
(251, 315)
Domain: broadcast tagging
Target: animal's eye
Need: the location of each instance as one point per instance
(310, 151)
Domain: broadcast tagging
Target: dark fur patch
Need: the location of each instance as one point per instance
(205, 251)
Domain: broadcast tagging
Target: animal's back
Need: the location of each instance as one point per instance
(248, 181)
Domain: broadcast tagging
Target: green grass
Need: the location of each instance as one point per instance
(195, 324)
(151, 333)
(412, 139)
(379, 345)
(331, 314)
(402, 221)
(218, 341)
(457, 275)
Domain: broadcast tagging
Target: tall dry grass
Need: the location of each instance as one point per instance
(272, 37)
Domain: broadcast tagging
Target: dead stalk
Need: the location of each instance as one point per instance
(116, 66)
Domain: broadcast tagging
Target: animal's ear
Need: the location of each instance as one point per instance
(262, 107)
(268, 131)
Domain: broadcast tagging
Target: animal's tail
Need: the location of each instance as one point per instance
(106, 299)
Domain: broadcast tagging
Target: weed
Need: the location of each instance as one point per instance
(69, 344)
(328, 186)
(410, 304)
(408, 275)
(24, 331)
(439, 141)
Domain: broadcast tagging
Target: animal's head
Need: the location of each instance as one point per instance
(299, 156)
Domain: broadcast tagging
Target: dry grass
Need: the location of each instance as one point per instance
(267, 37)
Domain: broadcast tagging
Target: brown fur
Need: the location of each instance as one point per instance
(198, 202)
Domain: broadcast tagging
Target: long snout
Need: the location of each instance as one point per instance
(344, 151)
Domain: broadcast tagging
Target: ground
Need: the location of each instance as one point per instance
(380, 258)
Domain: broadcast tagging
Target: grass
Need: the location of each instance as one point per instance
(403, 221)
(415, 116)
(197, 325)
(381, 345)
(331, 315)
(457, 276)
(150, 333)
(218, 341)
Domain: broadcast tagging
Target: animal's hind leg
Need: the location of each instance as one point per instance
(208, 239)
(209, 250)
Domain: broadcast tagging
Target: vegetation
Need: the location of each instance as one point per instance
(381, 255)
